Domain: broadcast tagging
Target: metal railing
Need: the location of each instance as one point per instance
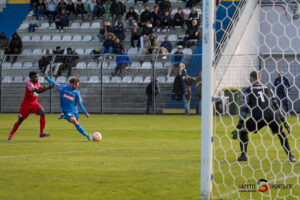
(105, 93)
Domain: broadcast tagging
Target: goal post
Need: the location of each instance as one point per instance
(207, 104)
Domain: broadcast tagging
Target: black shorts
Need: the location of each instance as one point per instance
(254, 125)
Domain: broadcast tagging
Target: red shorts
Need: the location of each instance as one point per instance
(26, 110)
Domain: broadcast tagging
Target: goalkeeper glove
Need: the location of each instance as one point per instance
(235, 133)
(287, 127)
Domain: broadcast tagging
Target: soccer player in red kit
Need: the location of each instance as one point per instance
(30, 104)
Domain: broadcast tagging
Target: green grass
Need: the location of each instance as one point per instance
(140, 157)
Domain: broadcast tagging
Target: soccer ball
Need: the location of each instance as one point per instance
(97, 136)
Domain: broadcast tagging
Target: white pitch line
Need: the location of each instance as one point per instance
(52, 153)
(271, 181)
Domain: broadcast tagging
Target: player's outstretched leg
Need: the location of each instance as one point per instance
(15, 128)
(74, 121)
(42, 123)
(243, 145)
(286, 146)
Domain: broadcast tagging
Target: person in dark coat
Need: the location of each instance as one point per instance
(70, 9)
(117, 46)
(105, 28)
(178, 19)
(45, 61)
(62, 20)
(131, 17)
(192, 33)
(119, 31)
(149, 93)
(80, 10)
(282, 85)
(15, 47)
(3, 42)
(156, 17)
(164, 6)
(108, 44)
(145, 16)
(62, 5)
(118, 10)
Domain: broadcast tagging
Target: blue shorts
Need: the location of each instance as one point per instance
(71, 114)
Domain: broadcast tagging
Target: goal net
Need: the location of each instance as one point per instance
(259, 36)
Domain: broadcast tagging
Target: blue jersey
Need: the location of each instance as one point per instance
(69, 99)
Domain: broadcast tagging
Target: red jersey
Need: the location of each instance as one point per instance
(31, 96)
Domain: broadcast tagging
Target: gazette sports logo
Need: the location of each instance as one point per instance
(262, 186)
(68, 97)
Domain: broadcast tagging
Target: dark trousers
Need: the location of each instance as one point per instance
(12, 51)
(119, 69)
(133, 38)
(149, 103)
(178, 23)
(61, 24)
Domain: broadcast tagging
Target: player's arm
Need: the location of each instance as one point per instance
(43, 89)
(80, 104)
(243, 114)
(50, 80)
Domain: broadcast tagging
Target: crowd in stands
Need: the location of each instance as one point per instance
(116, 24)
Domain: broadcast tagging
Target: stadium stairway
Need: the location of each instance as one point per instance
(13, 15)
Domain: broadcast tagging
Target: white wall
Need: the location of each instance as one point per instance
(245, 57)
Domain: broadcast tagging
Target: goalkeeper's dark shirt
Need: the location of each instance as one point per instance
(259, 101)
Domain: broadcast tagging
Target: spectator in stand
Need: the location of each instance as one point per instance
(147, 30)
(149, 93)
(62, 5)
(178, 18)
(59, 54)
(80, 10)
(164, 6)
(177, 60)
(91, 9)
(136, 33)
(69, 62)
(40, 9)
(3, 43)
(70, 9)
(117, 46)
(118, 10)
(15, 47)
(122, 60)
(194, 15)
(108, 45)
(151, 47)
(167, 21)
(145, 16)
(33, 4)
(192, 33)
(51, 11)
(131, 17)
(44, 62)
(119, 31)
(166, 47)
(191, 3)
(62, 20)
(106, 28)
(32, 24)
(107, 6)
(156, 18)
(99, 9)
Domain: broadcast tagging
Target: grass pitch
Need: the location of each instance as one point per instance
(140, 157)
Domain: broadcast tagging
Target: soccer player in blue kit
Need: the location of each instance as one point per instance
(69, 98)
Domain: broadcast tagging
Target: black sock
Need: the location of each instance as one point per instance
(243, 141)
(285, 143)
